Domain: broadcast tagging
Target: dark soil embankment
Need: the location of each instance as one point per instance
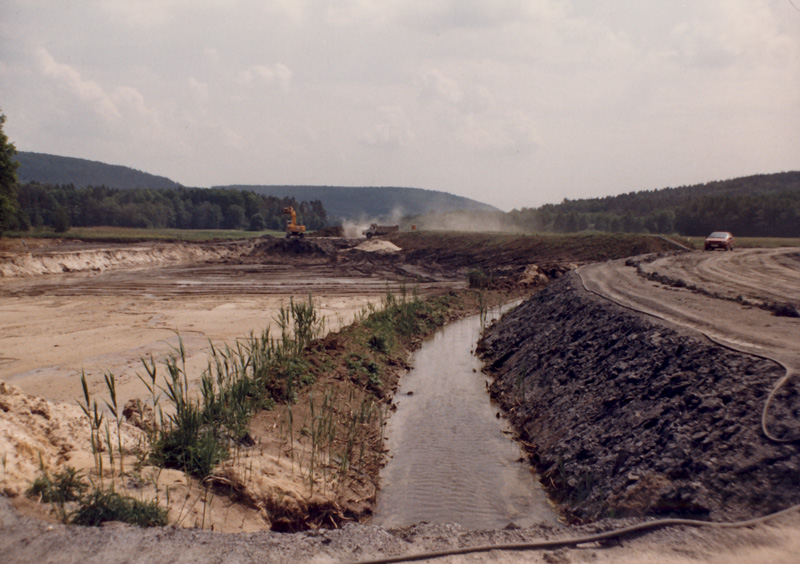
(510, 253)
(629, 416)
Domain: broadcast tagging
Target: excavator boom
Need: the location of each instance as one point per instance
(292, 229)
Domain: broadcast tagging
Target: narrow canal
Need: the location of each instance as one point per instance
(451, 461)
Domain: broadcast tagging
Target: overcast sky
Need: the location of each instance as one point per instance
(515, 103)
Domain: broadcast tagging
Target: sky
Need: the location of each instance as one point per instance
(515, 103)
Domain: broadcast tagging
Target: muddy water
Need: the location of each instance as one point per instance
(450, 459)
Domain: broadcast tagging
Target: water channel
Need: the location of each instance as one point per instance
(451, 461)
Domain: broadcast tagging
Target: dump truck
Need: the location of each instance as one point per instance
(292, 229)
(376, 229)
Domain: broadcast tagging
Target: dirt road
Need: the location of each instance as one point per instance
(717, 294)
(757, 274)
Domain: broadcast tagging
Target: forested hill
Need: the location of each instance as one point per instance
(351, 203)
(766, 205)
(54, 169)
(339, 202)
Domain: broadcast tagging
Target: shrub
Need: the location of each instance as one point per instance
(479, 279)
(103, 506)
(67, 485)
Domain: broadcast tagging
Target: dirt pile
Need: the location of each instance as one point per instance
(268, 250)
(378, 246)
(36, 432)
(626, 416)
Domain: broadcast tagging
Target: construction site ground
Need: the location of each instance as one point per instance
(68, 308)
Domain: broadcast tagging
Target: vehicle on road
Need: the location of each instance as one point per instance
(719, 240)
(375, 230)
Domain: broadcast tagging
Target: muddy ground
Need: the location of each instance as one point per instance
(218, 290)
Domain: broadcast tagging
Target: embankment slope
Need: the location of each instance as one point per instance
(630, 416)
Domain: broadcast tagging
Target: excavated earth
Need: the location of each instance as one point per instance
(630, 416)
(624, 414)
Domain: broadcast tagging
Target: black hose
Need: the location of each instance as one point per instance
(574, 541)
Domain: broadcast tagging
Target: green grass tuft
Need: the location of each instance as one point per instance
(102, 506)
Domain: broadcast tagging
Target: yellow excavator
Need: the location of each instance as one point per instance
(292, 229)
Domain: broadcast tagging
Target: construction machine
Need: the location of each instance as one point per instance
(292, 229)
(376, 230)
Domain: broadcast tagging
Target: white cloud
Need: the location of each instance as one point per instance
(212, 55)
(157, 13)
(370, 13)
(437, 87)
(448, 15)
(277, 74)
(199, 93)
(472, 117)
(198, 89)
(722, 34)
(145, 13)
(391, 129)
(293, 10)
(499, 134)
(70, 80)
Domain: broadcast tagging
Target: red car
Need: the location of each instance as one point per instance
(719, 240)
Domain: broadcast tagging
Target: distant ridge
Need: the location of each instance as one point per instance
(341, 203)
(53, 169)
(364, 203)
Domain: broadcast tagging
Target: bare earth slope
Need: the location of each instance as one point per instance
(632, 414)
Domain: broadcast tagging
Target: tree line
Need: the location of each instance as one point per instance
(754, 206)
(64, 206)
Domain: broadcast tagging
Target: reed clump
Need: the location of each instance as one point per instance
(196, 433)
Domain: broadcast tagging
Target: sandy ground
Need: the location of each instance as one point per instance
(23, 541)
(68, 310)
(49, 340)
(54, 326)
(111, 309)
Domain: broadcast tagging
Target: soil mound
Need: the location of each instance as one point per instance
(270, 250)
(510, 255)
(378, 246)
(334, 231)
(628, 416)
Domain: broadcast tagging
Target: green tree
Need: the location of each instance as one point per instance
(61, 222)
(235, 217)
(8, 180)
(257, 223)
